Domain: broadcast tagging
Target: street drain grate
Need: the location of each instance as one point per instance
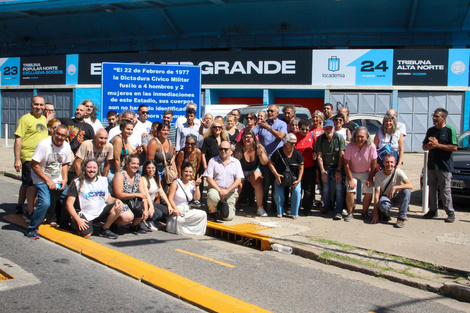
(5, 276)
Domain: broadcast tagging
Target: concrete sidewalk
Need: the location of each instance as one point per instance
(442, 245)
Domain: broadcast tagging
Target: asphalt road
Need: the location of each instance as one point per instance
(61, 280)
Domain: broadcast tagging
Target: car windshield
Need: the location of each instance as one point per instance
(463, 141)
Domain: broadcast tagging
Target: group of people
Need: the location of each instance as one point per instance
(140, 174)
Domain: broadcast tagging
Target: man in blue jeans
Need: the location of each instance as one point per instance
(392, 186)
(270, 132)
(50, 165)
(330, 150)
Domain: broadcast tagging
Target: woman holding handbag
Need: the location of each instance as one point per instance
(161, 150)
(186, 218)
(287, 165)
(389, 140)
(130, 189)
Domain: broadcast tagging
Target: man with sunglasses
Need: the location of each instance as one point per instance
(440, 141)
(270, 133)
(50, 167)
(224, 174)
(143, 112)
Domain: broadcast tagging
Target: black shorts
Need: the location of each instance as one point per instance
(99, 220)
(26, 174)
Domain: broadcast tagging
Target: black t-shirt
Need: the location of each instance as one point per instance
(296, 158)
(351, 126)
(78, 132)
(439, 159)
(210, 147)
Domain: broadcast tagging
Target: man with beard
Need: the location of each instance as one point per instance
(94, 201)
(50, 164)
(79, 131)
(99, 149)
(328, 111)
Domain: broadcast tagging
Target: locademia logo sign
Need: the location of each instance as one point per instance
(333, 66)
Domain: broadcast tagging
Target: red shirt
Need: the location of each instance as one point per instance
(317, 131)
(305, 146)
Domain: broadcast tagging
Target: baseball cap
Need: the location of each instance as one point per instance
(328, 123)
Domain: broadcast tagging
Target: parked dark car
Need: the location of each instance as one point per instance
(460, 183)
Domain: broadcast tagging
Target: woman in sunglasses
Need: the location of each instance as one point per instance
(338, 120)
(189, 154)
(212, 139)
(251, 120)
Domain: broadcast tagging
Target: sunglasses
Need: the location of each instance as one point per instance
(251, 118)
(338, 120)
(217, 127)
(144, 112)
(304, 129)
(224, 149)
(190, 143)
(271, 111)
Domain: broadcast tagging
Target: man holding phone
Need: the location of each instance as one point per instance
(50, 166)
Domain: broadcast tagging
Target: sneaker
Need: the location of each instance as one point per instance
(450, 218)
(151, 225)
(137, 230)
(108, 234)
(430, 215)
(144, 227)
(345, 212)
(262, 212)
(399, 224)
(324, 213)
(19, 209)
(212, 217)
(337, 217)
(317, 190)
(348, 218)
(26, 216)
(34, 234)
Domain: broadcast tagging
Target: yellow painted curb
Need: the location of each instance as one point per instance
(161, 279)
(99, 253)
(167, 281)
(217, 301)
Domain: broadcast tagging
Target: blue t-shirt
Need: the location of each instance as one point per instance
(267, 139)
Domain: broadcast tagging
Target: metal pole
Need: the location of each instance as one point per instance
(425, 200)
(6, 135)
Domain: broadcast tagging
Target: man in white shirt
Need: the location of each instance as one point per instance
(392, 186)
(95, 202)
(188, 127)
(182, 119)
(50, 166)
(224, 174)
(143, 113)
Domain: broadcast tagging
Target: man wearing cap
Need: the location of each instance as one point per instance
(330, 150)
